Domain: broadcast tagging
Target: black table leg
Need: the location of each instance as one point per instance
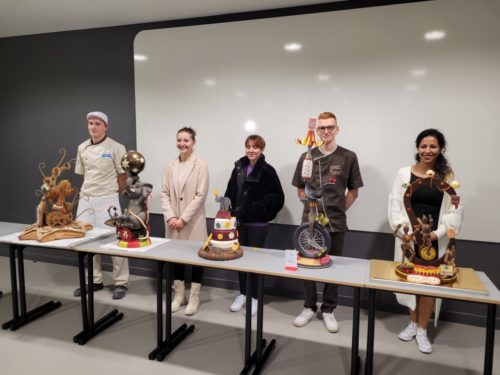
(249, 358)
(355, 360)
(261, 344)
(91, 328)
(159, 310)
(490, 339)
(248, 318)
(19, 297)
(261, 354)
(13, 283)
(371, 332)
(164, 347)
(83, 292)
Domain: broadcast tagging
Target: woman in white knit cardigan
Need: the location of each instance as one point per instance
(431, 146)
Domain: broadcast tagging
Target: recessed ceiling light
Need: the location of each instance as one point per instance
(250, 125)
(434, 35)
(138, 57)
(293, 47)
(323, 77)
(210, 82)
(418, 72)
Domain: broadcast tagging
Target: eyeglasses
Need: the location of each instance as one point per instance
(330, 128)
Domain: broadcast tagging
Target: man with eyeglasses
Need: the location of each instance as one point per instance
(339, 166)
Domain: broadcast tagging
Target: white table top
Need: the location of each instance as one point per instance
(344, 271)
(6, 228)
(9, 234)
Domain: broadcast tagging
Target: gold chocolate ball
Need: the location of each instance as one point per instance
(133, 162)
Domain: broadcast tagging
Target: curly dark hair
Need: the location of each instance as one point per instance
(442, 166)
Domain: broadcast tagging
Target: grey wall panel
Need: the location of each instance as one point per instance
(48, 84)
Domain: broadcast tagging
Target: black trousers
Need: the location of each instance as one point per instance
(330, 291)
(252, 236)
(196, 273)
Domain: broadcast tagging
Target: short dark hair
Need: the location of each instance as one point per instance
(257, 140)
(189, 130)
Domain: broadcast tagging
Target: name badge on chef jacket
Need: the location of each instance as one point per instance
(106, 155)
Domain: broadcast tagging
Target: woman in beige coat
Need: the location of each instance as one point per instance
(183, 194)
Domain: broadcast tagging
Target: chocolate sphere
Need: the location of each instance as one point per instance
(133, 162)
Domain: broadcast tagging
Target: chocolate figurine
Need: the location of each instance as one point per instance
(132, 227)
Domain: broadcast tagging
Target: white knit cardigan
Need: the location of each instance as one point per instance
(449, 217)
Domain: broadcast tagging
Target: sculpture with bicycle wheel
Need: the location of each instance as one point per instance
(311, 239)
(132, 227)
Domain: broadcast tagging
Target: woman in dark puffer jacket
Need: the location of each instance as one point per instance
(256, 198)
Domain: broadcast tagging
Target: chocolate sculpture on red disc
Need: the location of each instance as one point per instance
(132, 227)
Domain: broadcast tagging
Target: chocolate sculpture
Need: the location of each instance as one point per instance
(132, 227)
(311, 239)
(54, 213)
(427, 267)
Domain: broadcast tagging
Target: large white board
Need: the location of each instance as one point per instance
(372, 67)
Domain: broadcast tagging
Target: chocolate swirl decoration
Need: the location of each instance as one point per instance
(420, 182)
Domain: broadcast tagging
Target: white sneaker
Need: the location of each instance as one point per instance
(409, 332)
(238, 303)
(423, 343)
(330, 322)
(305, 317)
(254, 307)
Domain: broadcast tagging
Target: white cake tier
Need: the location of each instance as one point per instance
(223, 244)
(225, 223)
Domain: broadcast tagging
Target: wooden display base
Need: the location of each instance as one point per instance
(75, 229)
(322, 262)
(467, 280)
(216, 253)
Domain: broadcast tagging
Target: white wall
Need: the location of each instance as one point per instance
(372, 67)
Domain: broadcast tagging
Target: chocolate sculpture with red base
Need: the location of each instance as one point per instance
(132, 227)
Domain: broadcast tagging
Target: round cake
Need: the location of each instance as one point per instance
(222, 243)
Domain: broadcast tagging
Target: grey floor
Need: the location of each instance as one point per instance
(216, 346)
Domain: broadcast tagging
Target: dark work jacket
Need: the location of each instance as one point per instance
(256, 198)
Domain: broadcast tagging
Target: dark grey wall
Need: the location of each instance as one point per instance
(49, 82)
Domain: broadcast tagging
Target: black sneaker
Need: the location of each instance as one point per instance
(119, 292)
(95, 287)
